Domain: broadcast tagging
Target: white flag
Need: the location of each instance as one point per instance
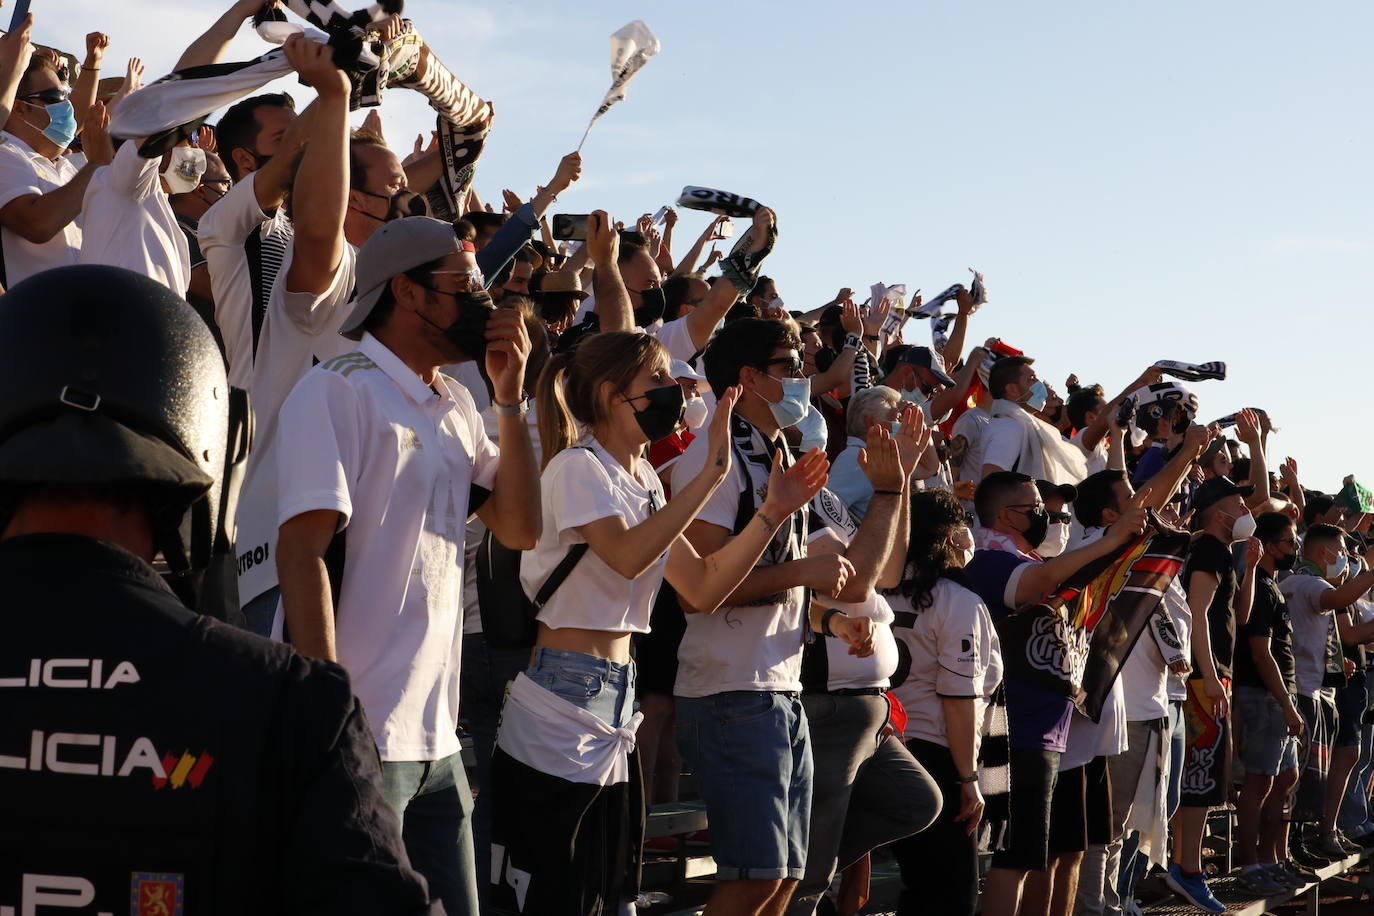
(631, 47)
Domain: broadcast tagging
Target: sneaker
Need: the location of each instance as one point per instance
(1349, 845)
(1288, 879)
(1303, 872)
(1193, 888)
(1256, 880)
(1307, 857)
(1328, 845)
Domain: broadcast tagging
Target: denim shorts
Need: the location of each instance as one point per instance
(603, 688)
(1350, 702)
(1266, 748)
(751, 753)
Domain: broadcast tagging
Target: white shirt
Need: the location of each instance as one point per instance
(1176, 605)
(23, 171)
(1145, 679)
(537, 728)
(739, 648)
(972, 426)
(1097, 455)
(954, 654)
(363, 436)
(1008, 445)
(301, 329)
(847, 672)
(244, 249)
(1107, 736)
(581, 485)
(677, 339)
(472, 613)
(127, 222)
(1312, 628)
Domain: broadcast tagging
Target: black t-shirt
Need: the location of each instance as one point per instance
(1210, 555)
(1268, 617)
(169, 763)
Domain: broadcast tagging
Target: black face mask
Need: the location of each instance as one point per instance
(403, 203)
(1182, 422)
(653, 306)
(1037, 526)
(825, 358)
(664, 414)
(469, 330)
(1286, 563)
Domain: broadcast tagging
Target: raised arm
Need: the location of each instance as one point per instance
(515, 233)
(955, 345)
(83, 93)
(15, 51)
(612, 301)
(881, 462)
(1248, 430)
(1039, 579)
(513, 511)
(320, 191)
(38, 218)
(1165, 484)
(950, 398)
(210, 46)
(1101, 424)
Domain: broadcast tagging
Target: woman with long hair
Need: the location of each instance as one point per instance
(567, 802)
(955, 664)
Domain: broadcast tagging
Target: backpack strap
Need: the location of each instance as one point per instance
(559, 575)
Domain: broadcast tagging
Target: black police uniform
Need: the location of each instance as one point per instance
(157, 763)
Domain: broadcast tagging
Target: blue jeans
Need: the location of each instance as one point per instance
(751, 753)
(1355, 818)
(434, 804)
(603, 688)
(486, 672)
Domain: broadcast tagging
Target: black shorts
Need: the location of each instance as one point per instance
(656, 651)
(1350, 701)
(1081, 810)
(1033, 774)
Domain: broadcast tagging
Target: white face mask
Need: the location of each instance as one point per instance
(694, 414)
(1243, 528)
(814, 432)
(184, 169)
(962, 542)
(1056, 539)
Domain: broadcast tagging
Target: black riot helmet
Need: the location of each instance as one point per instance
(109, 379)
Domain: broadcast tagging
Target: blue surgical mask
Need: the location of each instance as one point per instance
(796, 401)
(1336, 567)
(814, 433)
(1038, 395)
(61, 128)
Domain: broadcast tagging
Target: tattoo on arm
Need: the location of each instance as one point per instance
(767, 522)
(720, 457)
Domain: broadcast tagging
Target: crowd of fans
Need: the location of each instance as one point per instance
(615, 516)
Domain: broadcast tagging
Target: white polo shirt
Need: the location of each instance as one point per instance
(954, 654)
(23, 171)
(301, 330)
(244, 249)
(362, 435)
(581, 485)
(127, 222)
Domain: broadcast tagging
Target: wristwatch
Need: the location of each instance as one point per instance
(518, 409)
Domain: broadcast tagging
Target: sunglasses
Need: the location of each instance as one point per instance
(48, 96)
(794, 365)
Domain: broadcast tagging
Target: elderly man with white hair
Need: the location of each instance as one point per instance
(877, 406)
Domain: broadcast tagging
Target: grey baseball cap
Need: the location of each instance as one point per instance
(395, 248)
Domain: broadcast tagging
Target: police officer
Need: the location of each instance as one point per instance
(153, 761)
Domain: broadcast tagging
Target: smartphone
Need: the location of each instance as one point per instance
(725, 229)
(570, 226)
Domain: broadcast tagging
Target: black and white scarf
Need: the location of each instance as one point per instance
(1192, 372)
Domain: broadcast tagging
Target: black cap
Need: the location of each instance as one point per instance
(1217, 488)
(927, 358)
(1065, 491)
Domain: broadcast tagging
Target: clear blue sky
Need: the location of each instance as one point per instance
(1138, 181)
